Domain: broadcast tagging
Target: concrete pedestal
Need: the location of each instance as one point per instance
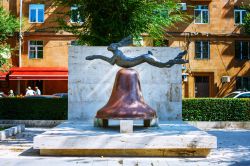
(126, 126)
(146, 123)
(169, 139)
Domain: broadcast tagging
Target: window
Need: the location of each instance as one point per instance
(183, 6)
(35, 49)
(239, 15)
(242, 50)
(161, 43)
(36, 13)
(243, 83)
(201, 14)
(74, 43)
(161, 13)
(202, 49)
(75, 15)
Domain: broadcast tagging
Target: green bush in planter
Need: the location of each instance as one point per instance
(34, 108)
(202, 109)
(216, 109)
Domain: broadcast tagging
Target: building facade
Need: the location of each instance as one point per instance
(218, 47)
(44, 52)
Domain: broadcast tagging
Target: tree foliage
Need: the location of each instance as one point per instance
(247, 21)
(8, 25)
(109, 21)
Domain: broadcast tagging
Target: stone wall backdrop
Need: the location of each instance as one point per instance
(91, 82)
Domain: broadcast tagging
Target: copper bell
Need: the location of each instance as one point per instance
(126, 101)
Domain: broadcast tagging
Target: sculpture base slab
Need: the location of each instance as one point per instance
(81, 139)
(146, 122)
(127, 152)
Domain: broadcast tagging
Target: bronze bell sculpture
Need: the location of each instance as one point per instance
(126, 101)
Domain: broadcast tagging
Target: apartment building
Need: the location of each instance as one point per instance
(218, 48)
(44, 52)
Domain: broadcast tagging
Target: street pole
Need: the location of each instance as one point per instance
(20, 42)
(20, 33)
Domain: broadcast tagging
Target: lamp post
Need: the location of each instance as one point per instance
(20, 33)
(20, 41)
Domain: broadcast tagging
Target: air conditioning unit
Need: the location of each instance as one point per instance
(183, 67)
(185, 77)
(183, 6)
(225, 79)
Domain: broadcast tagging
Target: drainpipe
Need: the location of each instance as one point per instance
(20, 33)
(20, 41)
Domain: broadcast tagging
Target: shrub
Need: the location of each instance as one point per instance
(202, 109)
(33, 108)
(216, 109)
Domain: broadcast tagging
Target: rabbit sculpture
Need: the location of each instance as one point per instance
(124, 61)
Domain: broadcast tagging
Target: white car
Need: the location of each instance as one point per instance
(238, 94)
(2, 95)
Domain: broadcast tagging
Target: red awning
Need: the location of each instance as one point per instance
(39, 73)
(3, 75)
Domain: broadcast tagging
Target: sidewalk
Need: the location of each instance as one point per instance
(233, 149)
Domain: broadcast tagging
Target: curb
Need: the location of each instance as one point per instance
(220, 124)
(199, 124)
(11, 131)
(34, 123)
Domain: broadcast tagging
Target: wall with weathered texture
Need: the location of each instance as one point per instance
(221, 17)
(90, 82)
(222, 62)
(55, 52)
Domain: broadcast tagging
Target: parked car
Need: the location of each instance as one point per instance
(61, 95)
(2, 95)
(238, 94)
(41, 96)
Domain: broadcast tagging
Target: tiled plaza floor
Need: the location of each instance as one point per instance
(233, 149)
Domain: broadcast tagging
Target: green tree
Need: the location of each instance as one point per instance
(8, 25)
(247, 22)
(104, 22)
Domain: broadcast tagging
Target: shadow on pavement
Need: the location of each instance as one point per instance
(30, 152)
